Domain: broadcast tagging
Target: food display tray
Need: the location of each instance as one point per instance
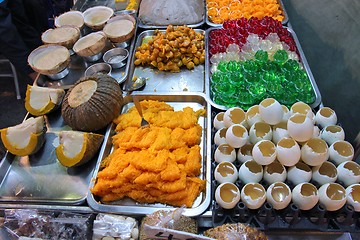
(40, 178)
(302, 58)
(266, 217)
(163, 81)
(78, 65)
(127, 206)
(195, 25)
(283, 22)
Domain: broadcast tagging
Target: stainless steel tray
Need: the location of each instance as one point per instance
(40, 178)
(128, 206)
(303, 60)
(283, 22)
(195, 25)
(78, 66)
(161, 81)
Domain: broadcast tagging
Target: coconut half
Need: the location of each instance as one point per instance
(120, 28)
(77, 148)
(49, 59)
(42, 100)
(90, 45)
(25, 138)
(96, 17)
(65, 36)
(71, 18)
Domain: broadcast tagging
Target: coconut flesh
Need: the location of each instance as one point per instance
(72, 142)
(87, 41)
(59, 35)
(40, 97)
(97, 16)
(50, 58)
(119, 28)
(19, 135)
(70, 19)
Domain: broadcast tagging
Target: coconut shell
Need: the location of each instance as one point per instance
(99, 12)
(120, 38)
(98, 110)
(50, 107)
(70, 18)
(61, 65)
(93, 49)
(92, 145)
(50, 36)
(37, 140)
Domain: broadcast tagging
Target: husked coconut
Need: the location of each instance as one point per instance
(49, 59)
(120, 28)
(90, 45)
(92, 103)
(96, 17)
(65, 36)
(71, 18)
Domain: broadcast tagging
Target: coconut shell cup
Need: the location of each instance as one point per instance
(68, 43)
(61, 65)
(120, 38)
(70, 18)
(96, 17)
(93, 49)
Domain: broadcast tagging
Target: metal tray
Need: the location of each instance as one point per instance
(303, 60)
(283, 22)
(78, 66)
(128, 206)
(161, 81)
(195, 25)
(40, 178)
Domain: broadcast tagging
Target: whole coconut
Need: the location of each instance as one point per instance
(92, 103)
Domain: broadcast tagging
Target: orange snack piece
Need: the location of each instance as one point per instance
(158, 164)
(219, 11)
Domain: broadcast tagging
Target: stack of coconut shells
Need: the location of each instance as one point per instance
(53, 58)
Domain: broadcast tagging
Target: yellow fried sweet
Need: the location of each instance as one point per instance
(158, 164)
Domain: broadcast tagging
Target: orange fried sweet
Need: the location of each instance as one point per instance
(158, 164)
(221, 10)
(178, 46)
